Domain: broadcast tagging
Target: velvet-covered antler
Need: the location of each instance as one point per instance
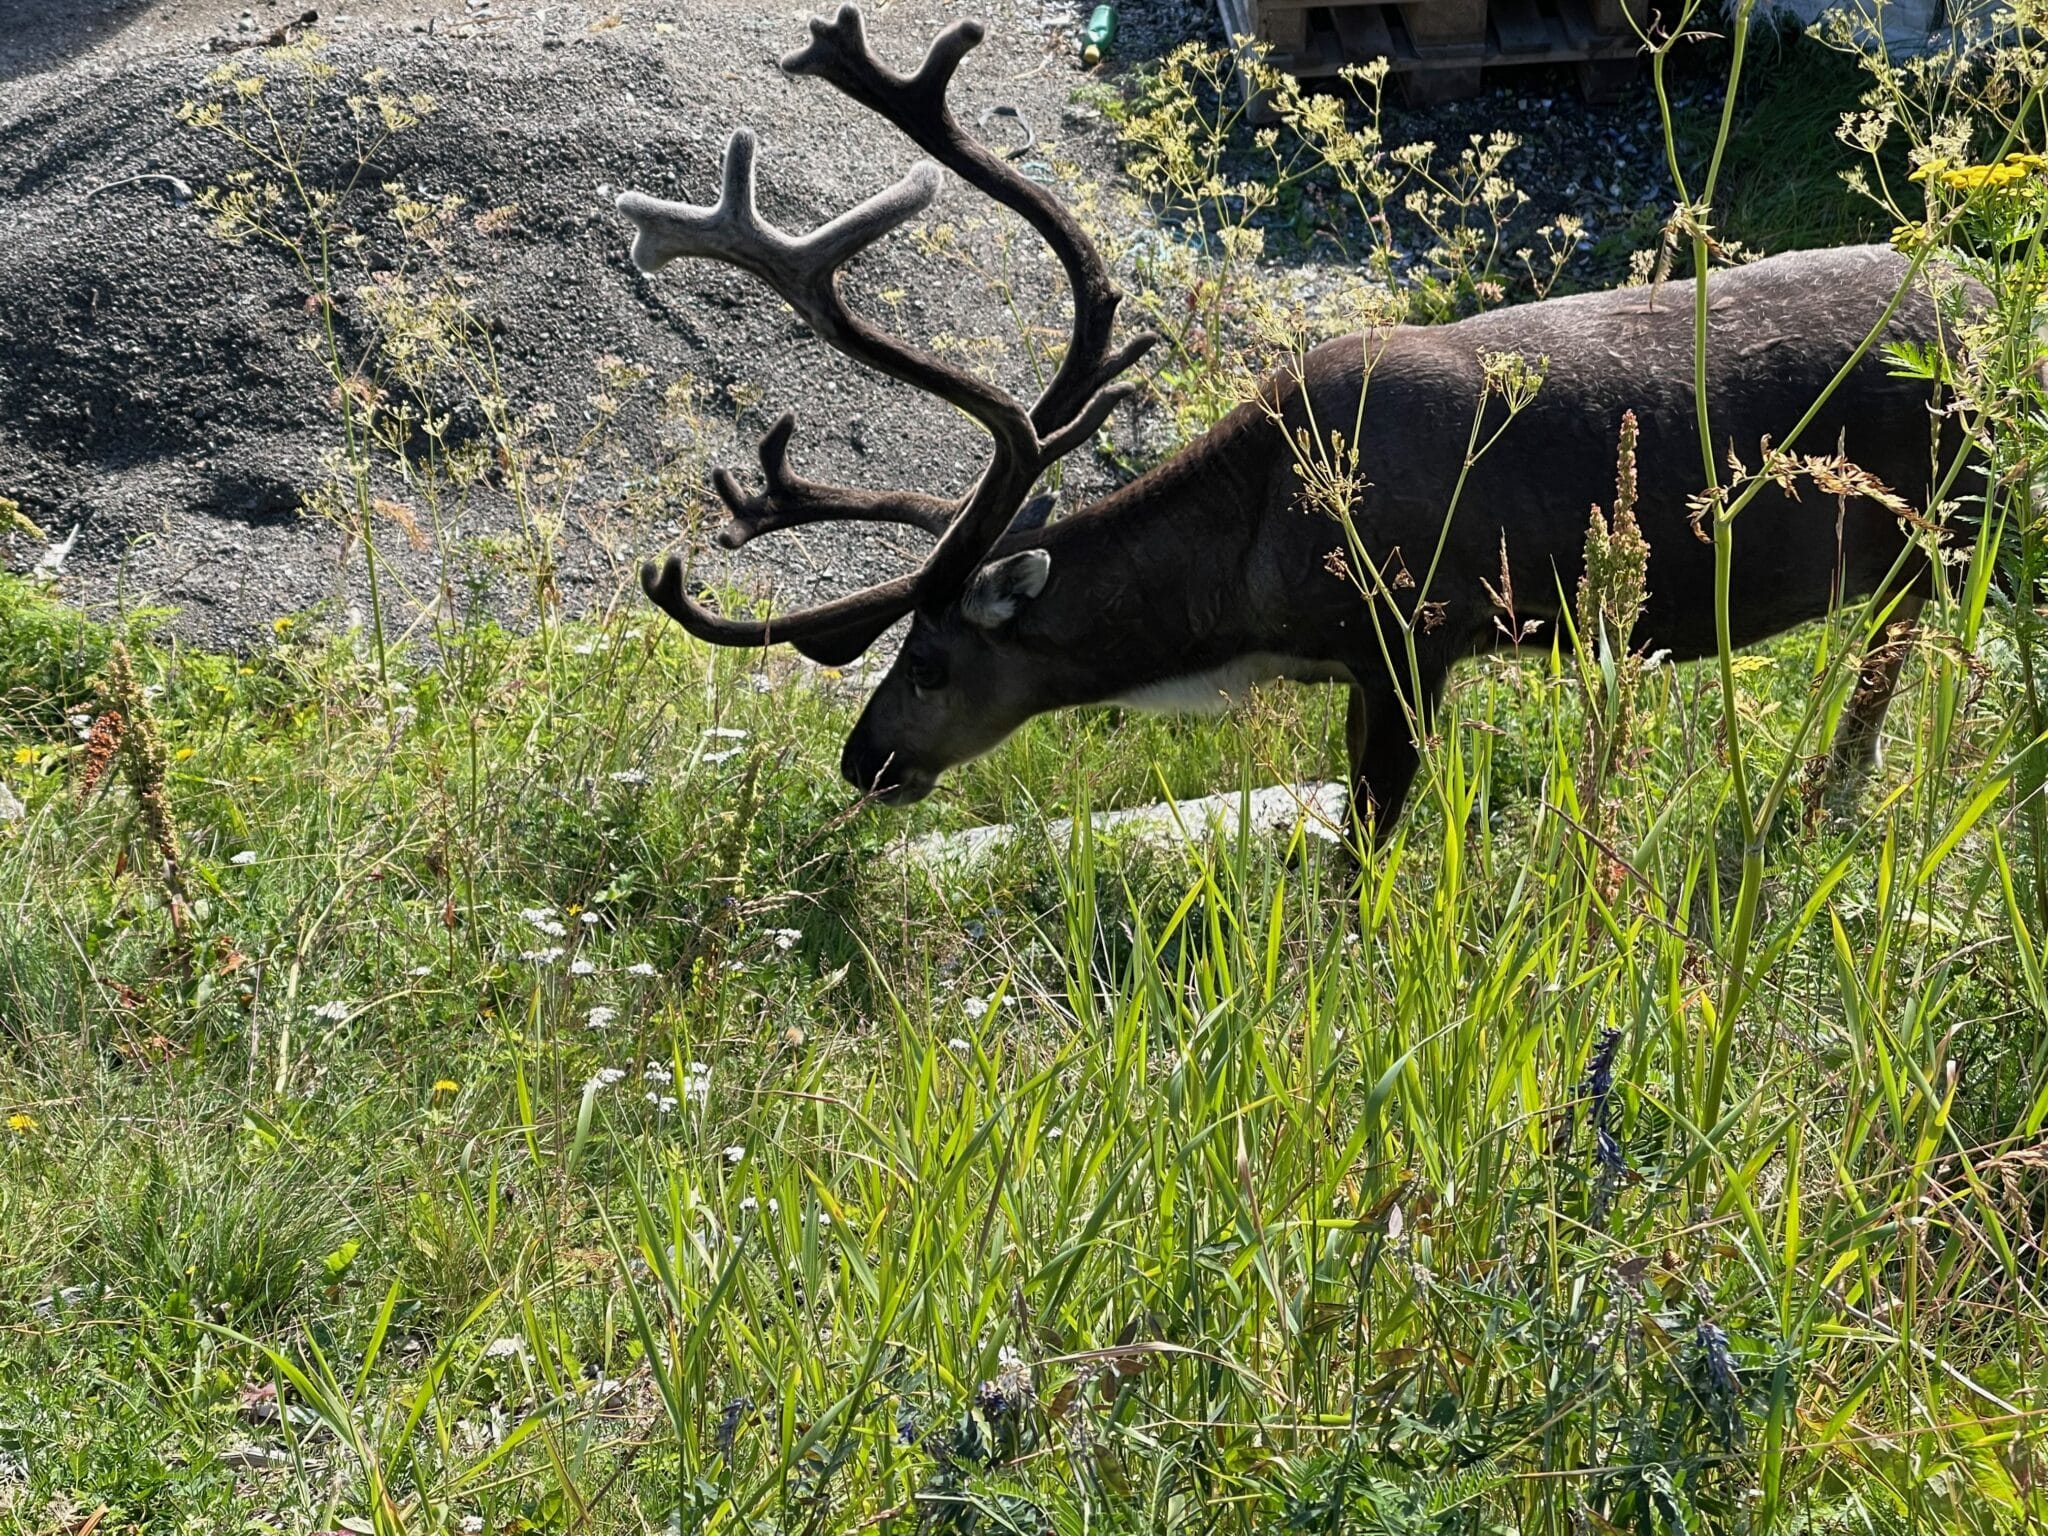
(805, 269)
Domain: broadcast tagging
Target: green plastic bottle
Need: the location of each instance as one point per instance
(1099, 34)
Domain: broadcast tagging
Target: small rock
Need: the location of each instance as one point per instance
(11, 808)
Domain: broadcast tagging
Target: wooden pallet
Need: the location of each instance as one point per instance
(1437, 48)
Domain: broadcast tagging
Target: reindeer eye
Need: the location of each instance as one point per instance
(926, 676)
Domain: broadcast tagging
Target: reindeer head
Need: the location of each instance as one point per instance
(947, 697)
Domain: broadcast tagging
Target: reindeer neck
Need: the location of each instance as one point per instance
(1161, 564)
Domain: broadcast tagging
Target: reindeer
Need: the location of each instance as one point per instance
(1215, 571)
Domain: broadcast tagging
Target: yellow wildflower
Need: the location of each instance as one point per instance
(446, 1085)
(21, 1124)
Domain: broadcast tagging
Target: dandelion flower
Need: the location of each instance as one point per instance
(446, 1085)
(22, 1124)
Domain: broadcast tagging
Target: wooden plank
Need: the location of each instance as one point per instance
(1363, 31)
(1520, 27)
(1446, 24)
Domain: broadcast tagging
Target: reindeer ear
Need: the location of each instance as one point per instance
(1000, 588)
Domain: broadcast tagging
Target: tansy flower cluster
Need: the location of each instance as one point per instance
(1997, 177)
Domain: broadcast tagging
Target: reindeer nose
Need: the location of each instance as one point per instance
(864, 768)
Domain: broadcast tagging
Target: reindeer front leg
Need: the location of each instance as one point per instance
(1380, 732)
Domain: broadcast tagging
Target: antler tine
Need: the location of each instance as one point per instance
(834, 633)
(801, 268)
(839, 53)
(790, 500)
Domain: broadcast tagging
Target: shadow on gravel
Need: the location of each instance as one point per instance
(39, 35)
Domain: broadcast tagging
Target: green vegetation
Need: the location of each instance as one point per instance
(491, 1081)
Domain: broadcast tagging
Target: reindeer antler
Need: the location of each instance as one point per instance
(804, 270)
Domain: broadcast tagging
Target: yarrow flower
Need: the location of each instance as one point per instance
(246, 856)
(601, 1016)
(975, 1007)
(956, 1043)
(333, 1012)
(640, 968)
(786, 938)
(544, 920)
(604, 1077)
(505, 1349)
(720, 757)
(629, 776)
(546, 956)
(655, 1072)
(582, 968)
(663, 1102)
(735, 1154)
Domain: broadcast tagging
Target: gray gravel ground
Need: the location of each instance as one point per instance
(154, 392)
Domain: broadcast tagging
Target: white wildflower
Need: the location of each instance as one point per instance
(655, 1072)
(601, 1017)
(544, 920)
(786, 938)
(640, 968)
(697, 1084)
(629, 776)
(546, 956)
(735, 1154)
(582, 967)
(724, 733)
(333, 1012)
(588, 919)
(663, 1103)
(246, 856)
(421, 970)
(604, 1077)
(505, 1349)
(719, 757)
(958, 1044)
(975, 1007)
